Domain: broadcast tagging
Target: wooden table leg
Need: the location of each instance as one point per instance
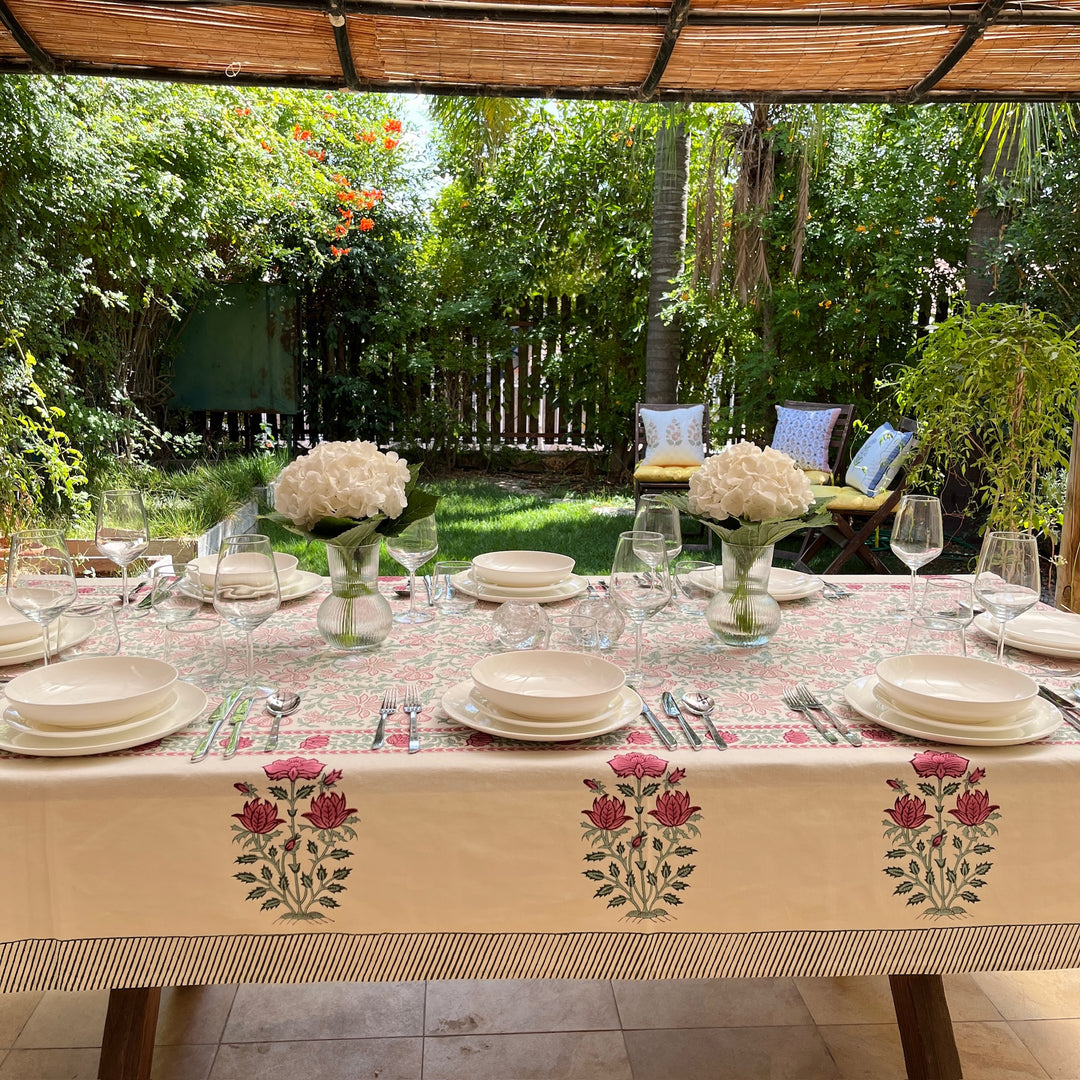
(922, 1014)
(127, 1044)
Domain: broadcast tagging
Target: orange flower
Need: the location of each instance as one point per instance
(345, 212)
(367, 136)
(341, 229)
(393, 126)
(338, 252)
(860, 228)
(266, 146)
(241, 111)
(389, 144)
(366, 224)
(300, 135)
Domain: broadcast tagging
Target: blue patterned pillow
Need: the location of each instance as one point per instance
(879, 459)
(803, 434)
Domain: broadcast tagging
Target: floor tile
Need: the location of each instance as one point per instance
(183, 1062)
(710, 1003)
(329, 1059)
(462, 1007)
(572, 1055)
(866, 1051)
(1055, 1044)
(995, 1052)
(15, 1010)
(755, 1053)
(193, 1014)
(1033, 995)
(66, 1019)
(858, 999)
(967, 1001)
(50, 1065)
(269, 1013)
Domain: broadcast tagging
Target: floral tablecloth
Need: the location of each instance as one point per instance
(479, 857)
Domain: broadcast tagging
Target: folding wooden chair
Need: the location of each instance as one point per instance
(856, 517)
(838, 439)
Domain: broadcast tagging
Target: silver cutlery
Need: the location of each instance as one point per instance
(672, 709)
(832, 591)
(811, 702)
(237, 719)
(703, 705)
(793, 703)
(412, 706)
(386, 710)
(1070, 712)
(280, 703)
(662, 732)
(217, 718)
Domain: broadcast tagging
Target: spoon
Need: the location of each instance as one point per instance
(280, 703)
(703, 705)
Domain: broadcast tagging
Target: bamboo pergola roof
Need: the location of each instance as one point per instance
(688, 50)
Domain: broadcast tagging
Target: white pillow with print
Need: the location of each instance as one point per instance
(674, 436)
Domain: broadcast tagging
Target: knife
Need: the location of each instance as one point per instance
(234, 736)
(672, 709)
(666, 737)
(1068, 710)
(217, 718)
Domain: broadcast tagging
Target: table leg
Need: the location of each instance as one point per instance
(127, 1044)
(922, 1014)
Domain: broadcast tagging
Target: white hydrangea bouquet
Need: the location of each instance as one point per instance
(343, 493)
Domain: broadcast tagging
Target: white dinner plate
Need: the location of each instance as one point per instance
(73, 629)
(783, 584)
(1046, 632)
(298, 584)
(574, 585)
(1042, 719)
(525, 723)
(459, 705)
(882, 694)
(190, 702)
(11, 717)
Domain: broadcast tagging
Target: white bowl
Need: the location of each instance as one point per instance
(203, 570)
(522, 568)
(957, 688)
(15, 626)
(548, 685)
(91, 691)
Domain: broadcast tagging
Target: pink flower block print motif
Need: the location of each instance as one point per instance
(293, 856)
(639, 836)
(938, 854)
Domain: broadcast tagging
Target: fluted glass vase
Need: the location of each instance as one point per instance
(355, 616)
(742, 612)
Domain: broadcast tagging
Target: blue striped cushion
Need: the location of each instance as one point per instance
(879, 459)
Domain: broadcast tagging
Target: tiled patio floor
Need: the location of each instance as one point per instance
(1008, 1027)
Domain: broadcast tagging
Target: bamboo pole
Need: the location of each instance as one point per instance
(1067, 593)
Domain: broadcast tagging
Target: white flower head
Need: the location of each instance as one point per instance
(342, 479)
(753, 484)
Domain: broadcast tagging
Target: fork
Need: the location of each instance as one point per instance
(412, 706)
(386, 710)
(796, 705)
(833, 591)
(811, 702)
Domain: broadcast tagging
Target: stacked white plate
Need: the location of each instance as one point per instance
(1045, 631)
(199, 574)
(546, 696)
(91, 705)
(953, 699)
(20, 638)
(540, 577)
(783, 584)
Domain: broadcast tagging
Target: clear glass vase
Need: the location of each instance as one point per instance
(355, 616)
(742, 612)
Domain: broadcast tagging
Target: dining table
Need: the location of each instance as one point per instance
(482, 856)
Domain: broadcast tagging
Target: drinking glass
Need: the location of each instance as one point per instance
(122, 532)
(519, 624)
(942, 618)
(196, 648)
(654, 515)
(40, 580)
(246, 591)
(640, 585)
(1007, 579)
(103, 638)
(694, 583)
(573, 633)
(412, 547)
(169, 600)
(917, 536)
(447, 593)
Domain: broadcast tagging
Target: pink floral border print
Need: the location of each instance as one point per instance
(640, 854)
(299, 858)
(940, 854)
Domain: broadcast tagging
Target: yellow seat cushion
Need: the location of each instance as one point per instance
(665, 473)
(815, 476)
(849, 498)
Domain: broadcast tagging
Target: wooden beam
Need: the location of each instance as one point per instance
(987, 14)
(344, 46)
(676, 20)
(127, 1043)
(922, 1015)
(42, 60)
(1067, 588)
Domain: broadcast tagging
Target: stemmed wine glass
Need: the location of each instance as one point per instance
(40, 580)
(640, 585)
(122, 531)
(1007, 579)
(412, 547)
(656, 516)
(917, 537)
(246, 591)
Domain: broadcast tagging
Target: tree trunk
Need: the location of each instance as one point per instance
(999, 158)
(670, 196)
